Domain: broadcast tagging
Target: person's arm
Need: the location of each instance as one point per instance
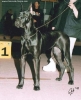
(41, 16)
(38, 15)
(54, 14)
(73, 7)
(79, 13)
(56, 23)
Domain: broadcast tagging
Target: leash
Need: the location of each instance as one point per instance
(53, 18)
(48, 21)
(31, 35)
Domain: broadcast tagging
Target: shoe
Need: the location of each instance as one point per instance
(51, 67)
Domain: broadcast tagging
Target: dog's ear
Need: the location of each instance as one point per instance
(31, 10)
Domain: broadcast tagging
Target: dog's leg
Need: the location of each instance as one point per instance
(22, 66)
(48, 55)
(30, 61)
(37, 74)
(68, 64)
(70, 68)
(58, 56)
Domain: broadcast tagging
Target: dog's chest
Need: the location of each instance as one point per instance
(30, 40)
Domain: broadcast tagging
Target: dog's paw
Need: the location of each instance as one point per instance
(36, 88)
(71, 82)
(19, 86)
(58, 79)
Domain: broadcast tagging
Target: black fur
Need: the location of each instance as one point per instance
(35, 43)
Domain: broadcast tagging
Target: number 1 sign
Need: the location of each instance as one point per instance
(5, 49)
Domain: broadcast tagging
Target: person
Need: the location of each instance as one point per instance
(8, 23)
(70, 23)
(54, 13)
(38, 16)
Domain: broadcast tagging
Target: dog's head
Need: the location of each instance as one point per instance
(25, 19)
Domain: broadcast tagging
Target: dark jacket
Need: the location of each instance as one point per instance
(67, 21)
(40, 18)
(73, 25)
(54, 13)
(8, 19)
(8, 23)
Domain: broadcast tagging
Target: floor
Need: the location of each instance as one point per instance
(50, 89)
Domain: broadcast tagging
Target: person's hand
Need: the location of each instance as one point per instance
(53, 28)
(34, 21)
(36, 13)
(75, 11)
(71, 5)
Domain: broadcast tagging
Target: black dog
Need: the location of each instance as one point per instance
(36, 43)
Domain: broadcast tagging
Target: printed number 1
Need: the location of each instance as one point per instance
(4, 52)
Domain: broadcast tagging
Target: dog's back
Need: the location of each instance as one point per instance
(51, 38)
